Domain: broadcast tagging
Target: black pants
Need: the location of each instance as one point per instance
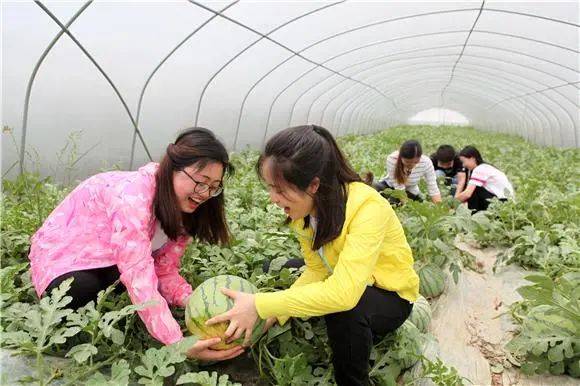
(479, 200)
(351, 332)
(87, 284)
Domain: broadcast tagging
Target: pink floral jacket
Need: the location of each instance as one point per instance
(108, 220)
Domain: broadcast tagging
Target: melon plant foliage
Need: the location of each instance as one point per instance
(539, 230)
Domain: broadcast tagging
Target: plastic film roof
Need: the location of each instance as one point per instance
(124, 77)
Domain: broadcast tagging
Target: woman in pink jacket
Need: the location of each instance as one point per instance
(135, 226)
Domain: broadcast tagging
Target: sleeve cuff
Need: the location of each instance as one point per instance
(270, 304)
(474, 182)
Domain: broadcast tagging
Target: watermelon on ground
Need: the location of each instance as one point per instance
(421, 314)
(431, 281)
(208, 301)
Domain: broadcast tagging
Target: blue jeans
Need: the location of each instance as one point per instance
(452, 182)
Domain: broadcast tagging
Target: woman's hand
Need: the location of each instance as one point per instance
(436, 199)
(242, 316)
(202, 350)
(269, 323)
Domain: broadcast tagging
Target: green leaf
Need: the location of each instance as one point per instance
(82, 352)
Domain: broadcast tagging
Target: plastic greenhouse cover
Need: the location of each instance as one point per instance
(120, 79)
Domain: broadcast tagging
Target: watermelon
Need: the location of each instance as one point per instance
(407, 346)
(208, 301)
(421, 314)
(431, 352)
(431, 281)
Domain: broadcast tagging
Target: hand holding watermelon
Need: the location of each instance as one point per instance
(269, 323)
(208, 304)
(201, 350)
(243, 316)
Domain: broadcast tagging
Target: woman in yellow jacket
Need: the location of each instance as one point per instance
(359, 268)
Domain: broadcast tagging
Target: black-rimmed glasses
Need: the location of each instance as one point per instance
(202, 187)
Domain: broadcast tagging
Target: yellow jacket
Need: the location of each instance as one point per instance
(370, 250)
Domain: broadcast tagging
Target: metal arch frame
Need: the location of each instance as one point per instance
(362, 105)
(142, 94)
(557, 114)
(477, 65)
(329, 38)
(421, 105)
(411, 51)
(450, 46)
(430, 97)
(355, 64)
(509, 112)
(437, 33)
(33, 77)
(504, 71)
(212, 77)
(575, 131)
(331, 75)
(372, 102)
(514, 112)
(385, 56)
(370, 109)
(452, 105)
(366, 103)
(461, 53)
(539, 91)
(527, 86)
(405, 17)
(294, 53)
(136, 131)
(532, 16)
(108, 79)
(528, 39)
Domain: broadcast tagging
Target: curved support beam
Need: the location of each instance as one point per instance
(422, 88)
(82, 48)
(237, 55)
(401, 53)
(540, 111)
(492, 59)
(33, 77)
(477, 107)
(142, 94)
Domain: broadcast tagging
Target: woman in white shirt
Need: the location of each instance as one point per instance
(405, 168)
(484, 181)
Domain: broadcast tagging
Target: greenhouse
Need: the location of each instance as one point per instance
(290, 193)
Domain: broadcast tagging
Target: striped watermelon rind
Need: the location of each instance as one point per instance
(431, 281)
(409, 345)
(207, 301)
(421, 314)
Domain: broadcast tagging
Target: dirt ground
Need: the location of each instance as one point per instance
(472, 324)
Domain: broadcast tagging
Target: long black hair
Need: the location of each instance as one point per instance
(410, 149)
(197, 146)
(472, 152)
(300, 154)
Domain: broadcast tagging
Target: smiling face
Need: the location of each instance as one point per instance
(189, 193)
(296, 203)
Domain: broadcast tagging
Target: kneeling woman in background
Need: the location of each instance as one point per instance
(405, 168)
(484, 181)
